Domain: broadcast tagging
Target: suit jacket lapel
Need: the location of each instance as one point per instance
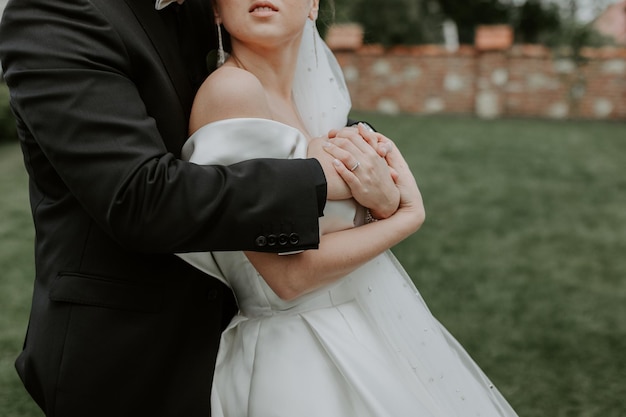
(164, 40)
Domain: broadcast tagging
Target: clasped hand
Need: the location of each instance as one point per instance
(367, 166)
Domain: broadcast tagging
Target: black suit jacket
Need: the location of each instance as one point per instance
(102, 95)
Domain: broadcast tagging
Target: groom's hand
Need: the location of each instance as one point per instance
(337, 189)
(359, 159)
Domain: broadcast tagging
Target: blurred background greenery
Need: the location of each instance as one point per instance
(7, 123)
(554, 23)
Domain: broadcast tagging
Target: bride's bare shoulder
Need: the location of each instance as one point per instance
(228, 93)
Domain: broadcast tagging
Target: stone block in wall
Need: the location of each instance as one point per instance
(488, 105)
(602, 108)
(558, 110)
(614, 67)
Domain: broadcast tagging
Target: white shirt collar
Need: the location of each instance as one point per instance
(161, 4)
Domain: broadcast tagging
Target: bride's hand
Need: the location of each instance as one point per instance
(411, 204)
(379, 142)
(359, 162)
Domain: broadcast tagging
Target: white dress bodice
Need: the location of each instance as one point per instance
(214, 144)
(364, 346)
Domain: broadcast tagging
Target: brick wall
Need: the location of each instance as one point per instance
(522, 81)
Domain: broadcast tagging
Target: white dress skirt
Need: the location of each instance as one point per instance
(364, 346)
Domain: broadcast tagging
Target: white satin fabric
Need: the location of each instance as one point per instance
(366, 345)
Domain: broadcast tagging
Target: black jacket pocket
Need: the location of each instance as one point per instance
(105, 292)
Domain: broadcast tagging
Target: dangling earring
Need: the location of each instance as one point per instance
(313, 18)
(221, 55)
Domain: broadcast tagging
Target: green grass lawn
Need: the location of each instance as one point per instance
(521, 256)
(16, 279)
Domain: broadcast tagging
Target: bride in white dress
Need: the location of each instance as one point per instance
(347, 334)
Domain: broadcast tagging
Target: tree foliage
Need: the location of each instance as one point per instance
(392, 22)
(534, 22)
(467, 14)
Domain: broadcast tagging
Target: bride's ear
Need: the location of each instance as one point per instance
(315, 6)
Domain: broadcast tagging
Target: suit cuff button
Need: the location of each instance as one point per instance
(260, 241)
(294, 238)
(271, 240)
(283, 239)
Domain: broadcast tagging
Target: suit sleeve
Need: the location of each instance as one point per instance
(88, 137)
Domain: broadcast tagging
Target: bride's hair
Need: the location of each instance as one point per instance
(327, 13)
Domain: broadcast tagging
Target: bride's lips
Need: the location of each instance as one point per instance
(263, 8)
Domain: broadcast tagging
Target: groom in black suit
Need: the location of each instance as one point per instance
(102, 90)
